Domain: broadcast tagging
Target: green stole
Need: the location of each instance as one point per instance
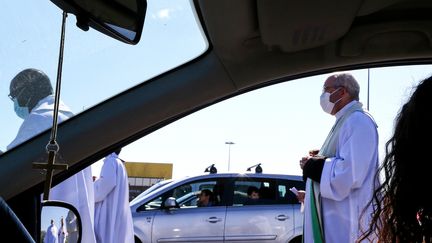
(328, 150)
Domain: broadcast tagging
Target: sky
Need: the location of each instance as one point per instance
(274, 126)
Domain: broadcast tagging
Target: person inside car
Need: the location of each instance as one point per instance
(253, 195)
(205, 198)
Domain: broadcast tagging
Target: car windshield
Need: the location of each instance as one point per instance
(95, 67)
(150, 189)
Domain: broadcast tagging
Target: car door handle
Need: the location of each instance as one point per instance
(213, 219)
(282, 217)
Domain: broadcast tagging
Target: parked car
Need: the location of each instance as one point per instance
(274, 217)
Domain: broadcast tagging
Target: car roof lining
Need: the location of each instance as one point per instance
(238, 40)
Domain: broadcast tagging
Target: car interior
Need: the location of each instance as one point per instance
(252, 44)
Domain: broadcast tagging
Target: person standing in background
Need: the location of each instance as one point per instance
(32, 95)
(62, 232)
(51, 233)
(113, 217)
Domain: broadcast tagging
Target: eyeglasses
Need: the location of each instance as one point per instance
(16, 96)
(327, 88)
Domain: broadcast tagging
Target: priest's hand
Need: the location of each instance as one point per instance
(303, 161)
(312, 153)
(301, 196)
(312, 168)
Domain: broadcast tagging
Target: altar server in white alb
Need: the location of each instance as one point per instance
(51, 233)
(32, 95)
(62, 232)
(113, 217)
(340, 179)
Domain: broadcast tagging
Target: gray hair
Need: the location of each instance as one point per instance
(347, 81)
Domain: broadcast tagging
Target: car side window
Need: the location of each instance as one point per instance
(187, 195)
(258, 191)
(254, 191)
(285, 196)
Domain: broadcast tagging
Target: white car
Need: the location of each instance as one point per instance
(152, 188)
(170, 213)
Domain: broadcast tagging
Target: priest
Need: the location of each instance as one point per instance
(113, 217)
(340, 178)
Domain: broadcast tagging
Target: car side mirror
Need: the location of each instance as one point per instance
(60, 222)
(122, 20)
(171, 203)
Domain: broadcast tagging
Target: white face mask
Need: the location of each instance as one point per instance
(325, 102)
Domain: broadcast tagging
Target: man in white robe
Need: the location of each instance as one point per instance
(113, 217)
(340, 178)
(32, 94)
(62, 232)
(51, 233)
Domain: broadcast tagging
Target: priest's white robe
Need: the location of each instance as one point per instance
(347, 180)
(113, 217)
(39, 120)
(77, 189)
(51, 234)
(62, 234)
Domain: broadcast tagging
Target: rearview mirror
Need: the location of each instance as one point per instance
(60, 222)
(120, 19)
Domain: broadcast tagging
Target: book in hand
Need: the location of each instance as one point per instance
(295, 191)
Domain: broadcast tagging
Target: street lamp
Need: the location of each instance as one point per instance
(229, 153)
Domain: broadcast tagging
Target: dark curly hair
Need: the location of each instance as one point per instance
(402, 203)
(29, 87)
